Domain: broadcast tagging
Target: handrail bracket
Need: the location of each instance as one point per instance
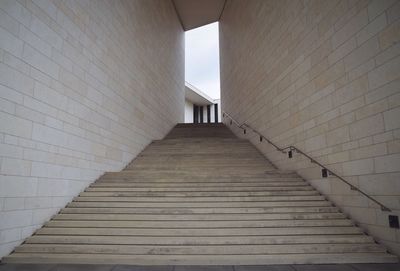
(324, 170)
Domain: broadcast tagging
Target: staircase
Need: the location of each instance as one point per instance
(201, 196)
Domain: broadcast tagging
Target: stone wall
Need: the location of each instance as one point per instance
(84, 87)
(323, 76)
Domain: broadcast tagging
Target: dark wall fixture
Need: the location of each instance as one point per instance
(394, 221)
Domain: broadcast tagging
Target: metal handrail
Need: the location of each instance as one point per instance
(289, 149)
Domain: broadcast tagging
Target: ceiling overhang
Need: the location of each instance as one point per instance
(196, 96)
(196, 13)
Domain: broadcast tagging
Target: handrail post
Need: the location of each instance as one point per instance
(312, 160)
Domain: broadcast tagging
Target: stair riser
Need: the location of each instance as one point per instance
(188, 174)
(99, 204)
(201, 199)
(199, 160)
(195, 179)
(214, 217)
(201, 240)
(196, 185)
(199, 224)
(204, 259)
(239, 167)
(198, 189)
(201, 232)
(199, 194)
(202, 250)
(199, 210)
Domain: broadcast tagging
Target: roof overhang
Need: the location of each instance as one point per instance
(196, 13)
(196, 96)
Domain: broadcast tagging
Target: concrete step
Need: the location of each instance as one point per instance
(197, 217)
(182, 133)
(197, 184)
(199, 133)
(194, 164)
(202, 240)
(205, 237)
(244, 259)
(197, 140)
(199, 231)
(194, 179)
(185, 178)
(188, 174)
(211, 171)
(200, 168)
(214, 165)
(201, 199)
(241, 151)
(253, 155)
(188, 153)
(156, 160)
(200, 224)
(215, 178)
(200, 194)
(231, 204)
(209, 210)
(201, 250)
(200, 189)
(203, 151)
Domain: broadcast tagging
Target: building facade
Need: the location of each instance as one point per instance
(199, 107)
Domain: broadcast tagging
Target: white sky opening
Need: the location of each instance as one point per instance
(202, 59)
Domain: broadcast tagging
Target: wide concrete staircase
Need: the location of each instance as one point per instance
(201, 196)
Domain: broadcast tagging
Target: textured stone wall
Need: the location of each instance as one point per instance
(323, 76)
(85, 85)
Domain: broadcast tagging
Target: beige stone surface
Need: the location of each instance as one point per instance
(84, 87)
(323, 76)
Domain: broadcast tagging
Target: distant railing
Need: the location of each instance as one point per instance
(290, 149)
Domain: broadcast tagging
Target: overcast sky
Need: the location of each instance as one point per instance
(202, 59)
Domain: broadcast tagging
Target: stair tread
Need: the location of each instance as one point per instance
(182, 181)
(197, 210)
(100, 204)
(244, 259)
(200, 189)
(201, 199)
(200, 231)
(200, 194)
(203, 250)
(215, 217)
(196, 185)
(199, 224)
(202, 240)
